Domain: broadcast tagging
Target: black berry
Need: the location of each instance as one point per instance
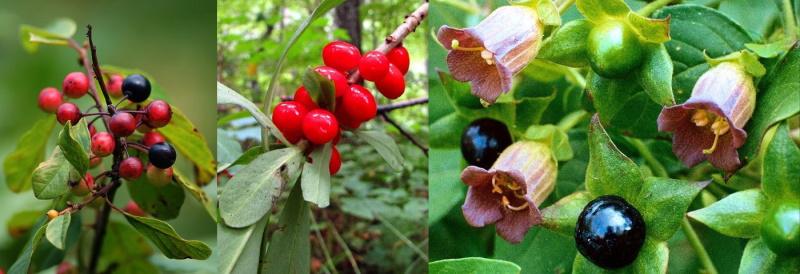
(162, 155)
(136, 87)
(483, 141)
(610, 232)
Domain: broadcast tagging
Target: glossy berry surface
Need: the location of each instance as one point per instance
(301, 96)
(134, 209)
(162, 155)
(136, 87)
(359, 104)
(780, 229)
(102, 144)
(131, 168)
(336, 162)
(75, 85)
(614, 50)
(341, 55)
(320, 126)
(393, 84)
(115, 85)
(338, 78)
(344, 119)
(122, 124)
(151, 138)
(374, 66)
(159, 177)
(399, 57)
(49, 100)
(158, 114)
(288, 117)
(68, 112)
(483, 140)
(610, 232)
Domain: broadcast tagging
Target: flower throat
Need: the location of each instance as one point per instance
(502, 184)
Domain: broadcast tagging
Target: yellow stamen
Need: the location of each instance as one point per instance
(507, 204)
(495, 188)
(700, 118)
(455, 45)
(488, 57)
(719, 127)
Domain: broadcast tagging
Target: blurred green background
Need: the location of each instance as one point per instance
(173, 41)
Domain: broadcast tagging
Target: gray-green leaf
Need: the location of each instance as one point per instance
(316, 178)
(289, 249)
(239, 247)
(473, 265)
(50, 179)
(385, 146)
(57, 230)
(167, 240)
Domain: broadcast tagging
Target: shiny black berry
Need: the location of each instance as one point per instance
(162, 155)
(610, 232)
(483, 141)
(136, 87)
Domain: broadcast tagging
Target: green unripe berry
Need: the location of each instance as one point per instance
(781, 229)
(614, 49)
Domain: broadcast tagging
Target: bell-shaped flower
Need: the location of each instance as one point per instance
(489, 54)
(509, 193)
(709, 126)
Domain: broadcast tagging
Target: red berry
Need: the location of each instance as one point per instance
(288, 117)
(94, 160)
(158, 114)
(399, 58)
(130, 168)
(301, 96)
(49, 100)
(320, 126)
(338, 78)
(159, 177)
(374, 65)
(66, 268)
(133, 209)
(336, 162)
(115, 85)
(344, 119)
(84, 186)
(68, 112)
(152, 137)
(122, 124)
(102, 144)
(341, 55)
(393, 84)
(92, 130)
(359, 104)
(75, 85)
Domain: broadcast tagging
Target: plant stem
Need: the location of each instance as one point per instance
(790, 24)
(564, 6)
(572, 119)
(691, 235)
(404, 104)
(322, 244)
(653, 6)
(402, 237)
(651, 160)
(347, 252)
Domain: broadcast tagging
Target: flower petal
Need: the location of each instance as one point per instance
(725, 156)
(515, 224)
(470, 66)
(447, 34)
(476, 176)
(481, 207)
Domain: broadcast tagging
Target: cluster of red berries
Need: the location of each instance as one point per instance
(122, 124)
(304, 119)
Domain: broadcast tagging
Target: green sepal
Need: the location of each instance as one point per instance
(655, 74)
(652, 258)
(321, 89)
(746, 58)
(648, 29)
(737, 215)
(546, 9)
(758, 258)
(567, 46)
(609, 171)
(602, 10)
(562, 216)
(662, 203)
(554, 137)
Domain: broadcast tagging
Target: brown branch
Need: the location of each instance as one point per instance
(400, 105)
(405, 133)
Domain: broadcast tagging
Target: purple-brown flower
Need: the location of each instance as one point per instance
(509, 193)
(489, 54)
(709, 125)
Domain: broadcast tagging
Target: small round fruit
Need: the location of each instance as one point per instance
(336, 162)
(344, 119)
(102, 144)
(393, 84)
(151, 138)
(338, 78)
(52, 214)
(614, 50)
(320, 126)
(94, 161)
(288, 117)
(130, 168)
(92, 130)
(610, 232)
(66, 268)
(136, 87)
(133, 208)
(115, 85)
(68, 112)
(162, 155)
(398, 56)
(122, 124)
(340, 55)
(75, 85)
(780, 229)
(49, 100)
(159, 177)
(359, 104)
(158, 114)
(301, 96)
(373, 66)
(483, 140)
(84, 186)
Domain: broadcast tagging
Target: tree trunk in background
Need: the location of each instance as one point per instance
(347, 18)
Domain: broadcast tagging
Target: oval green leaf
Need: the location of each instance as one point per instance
(167, 240)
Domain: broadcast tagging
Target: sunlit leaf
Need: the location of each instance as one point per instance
(18, 166)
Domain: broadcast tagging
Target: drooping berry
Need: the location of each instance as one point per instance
(613, 49)
(393, 84)
(610, 232)
(341, 55)
(159, 176)
(68, 112)
(162, 155)
(115, 85)
(122, 124)
(288, 117)
(483, 140)
(52, 214)
(338, 78)
(151, 138)
(133, 208)
(83, 186)
(320, 126)
(136, 87)
(359, 104)
(131, 168)
(301, 96)
(158, 114)
(102, 144)
(398, 56)
(373, 66)
(76, 84)
(49, 100)
(336, 162)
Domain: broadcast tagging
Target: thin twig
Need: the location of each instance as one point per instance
(405, 133)
(705, 260)
(404, 104)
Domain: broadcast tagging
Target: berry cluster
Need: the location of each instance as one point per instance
(303, 118)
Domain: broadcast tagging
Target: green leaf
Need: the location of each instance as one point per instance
(553, 136)
(610, 172)
(228, 149)
(757, 17)
(663, 202)
(160, 202)
(656, 75)
(384, 145)
(239, 248)
(528, 254)
(246, 157)
(289, 249)
(757, 258)
(316, 178)
(654, 31)
(781, 167)
(51, 177)
(18, 166)
(225, 95)
(320, 89)
(601, 10)
(445, 169)
(75, 144)
(253, 190)
(530, 102)
(446, 132)
(623, 105)
(23, 263)
(473, 265)
(562, 216)
(57, 229)
(652, 258)
(57, 33)
(567, 46)
(198, 194)
(737, 215)
(123, 247)
(182, 134)
(167, 240)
